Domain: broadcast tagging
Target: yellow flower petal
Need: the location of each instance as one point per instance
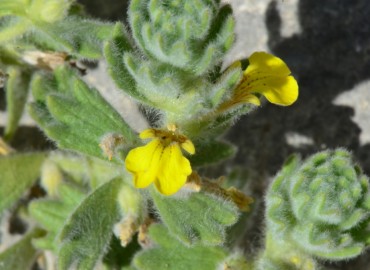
(188, 146)
(252, 99)
(161, 160)
(143, 162)
(282, 91)
(269, 76)
(265, 62)
(173, 171)
(147, 133)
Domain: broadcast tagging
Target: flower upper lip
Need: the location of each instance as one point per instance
(267, 75)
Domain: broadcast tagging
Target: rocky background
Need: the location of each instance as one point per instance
(326, 44)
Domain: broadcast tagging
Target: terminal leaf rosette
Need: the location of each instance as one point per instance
(321, 206)
(169, 58)
(191, 35)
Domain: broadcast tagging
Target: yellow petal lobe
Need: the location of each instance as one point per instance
(250, 98)
(266, 75)
(188, 146)
(269, 76)
(144, 162)
(173, 171)
(267, 63)
(281, 91)
(161, 160)
(147, 133)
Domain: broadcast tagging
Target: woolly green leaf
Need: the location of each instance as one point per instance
(209, 57)
(41, 86)
(222, 24)
(156, 83)
(171, 254)
(51, 214)
(18, 173)
(68, 112)
(88, 231)
(212, 152)
(8, 7)
(22, 254)
(79, 168)
(225, 119)
(36, 10)
(47, 10)
(136, 16)
(108, 118)
(76, 116)
(114, 51)
(218, 41)
(9, 56)
(16, 97)
(12, 28)
(200, 217)
(225, 38)
(66, 137)
(224, 85)
(86, 40)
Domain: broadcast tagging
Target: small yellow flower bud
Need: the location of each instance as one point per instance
(5, 149)
(49, 10)
(51, 177)
(131, 201)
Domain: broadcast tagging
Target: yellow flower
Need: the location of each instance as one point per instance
(161, 160)
(267, 75)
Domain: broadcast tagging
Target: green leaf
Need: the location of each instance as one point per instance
(79, 168)
(18, 173)
(40, 86)
(16, 97)
(22, 254)
(200, 217)
(171, 254)
(114, 51)
(37, 10)
(85, 41)
(52, 214)
(11, 28)
(87, 233)
(9, 56)
(75, 116)
(222, 88)
(212, 152)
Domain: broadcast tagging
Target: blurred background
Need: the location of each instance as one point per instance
(326, 44)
